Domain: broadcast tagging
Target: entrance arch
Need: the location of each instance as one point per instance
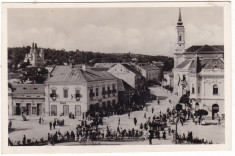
(215, 109)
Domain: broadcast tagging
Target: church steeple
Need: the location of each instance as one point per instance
(181, 34)
(180, 18)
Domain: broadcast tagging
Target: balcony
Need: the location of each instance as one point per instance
(183, 82)
(52, 95)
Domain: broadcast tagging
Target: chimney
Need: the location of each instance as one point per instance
(33, 45)
(84, 67)
(36, 46)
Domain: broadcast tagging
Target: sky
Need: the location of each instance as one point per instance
(149, 31)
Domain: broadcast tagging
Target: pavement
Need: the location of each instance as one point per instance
(32, 128)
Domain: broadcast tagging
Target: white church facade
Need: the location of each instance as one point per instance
(35, 57)
(199, 70)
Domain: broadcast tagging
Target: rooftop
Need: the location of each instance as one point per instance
(123, 86)
(148, 67)
(200, 49)
(76, 74)
(131, 68)
(28, 88)
(202, 64)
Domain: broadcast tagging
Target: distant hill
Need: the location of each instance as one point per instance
(59, 57)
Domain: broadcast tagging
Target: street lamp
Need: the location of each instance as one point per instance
(178, 107)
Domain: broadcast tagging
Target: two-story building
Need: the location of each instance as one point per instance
(150, 72)
(128, 73)
(26, 98)
(77, 90)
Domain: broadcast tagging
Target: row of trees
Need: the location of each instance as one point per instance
(59, 57)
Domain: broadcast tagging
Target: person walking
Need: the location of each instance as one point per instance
(40, 120)
(24, 140)
(54, 124)
(145, 115)
(135, 121)
(158, 102)
(119, 121)
(129, 114)
(152, 110)
(164, 135)
(150, 136)
(50, 124)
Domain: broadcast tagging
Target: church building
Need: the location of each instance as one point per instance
(199, 70)
(35, 57)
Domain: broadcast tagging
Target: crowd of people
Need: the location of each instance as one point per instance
(157, 125)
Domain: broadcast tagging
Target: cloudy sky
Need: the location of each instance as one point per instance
(138, 30)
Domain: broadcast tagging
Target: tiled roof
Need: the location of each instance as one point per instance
(214, 63)
(123, 86)
(149, 67)
(69, 74)
(104, 65)
(184, 64)
(28, 88)
(99, 69)
(203, 64)
(131, 68)
(199, 49)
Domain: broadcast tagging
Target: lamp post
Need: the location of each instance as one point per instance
(178, 107)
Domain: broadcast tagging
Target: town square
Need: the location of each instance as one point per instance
(119, 91)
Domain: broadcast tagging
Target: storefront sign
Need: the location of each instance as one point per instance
(63, 103)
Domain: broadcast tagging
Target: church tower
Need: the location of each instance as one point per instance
(180, 47)
(180, 34)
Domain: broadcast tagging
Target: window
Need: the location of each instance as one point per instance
(193, 89)
(34, 110)
(53, 91)
(77, 91)
(77, 94)
(215, 90)
(109, 91)
(97, 92)
(180, 38)
(198, 89)
(65, 93)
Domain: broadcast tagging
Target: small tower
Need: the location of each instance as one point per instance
(180, 34)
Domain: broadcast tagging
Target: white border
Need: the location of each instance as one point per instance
(119, 148)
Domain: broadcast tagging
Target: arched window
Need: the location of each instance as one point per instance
(193, 89)
(215, 90)
(179, 38)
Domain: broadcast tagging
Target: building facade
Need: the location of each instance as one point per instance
(27, 98)
(150, 72)
(168, 79)
(199, 70)
(74, 90)
(35, 57)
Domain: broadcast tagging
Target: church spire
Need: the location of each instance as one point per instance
(179, 15)
(180, 18)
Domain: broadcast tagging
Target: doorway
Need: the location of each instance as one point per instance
(18, 109)
(66, 110)
(39, 109)
(77, 110)
(28, 108)
(215, 109)
(53, 110)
